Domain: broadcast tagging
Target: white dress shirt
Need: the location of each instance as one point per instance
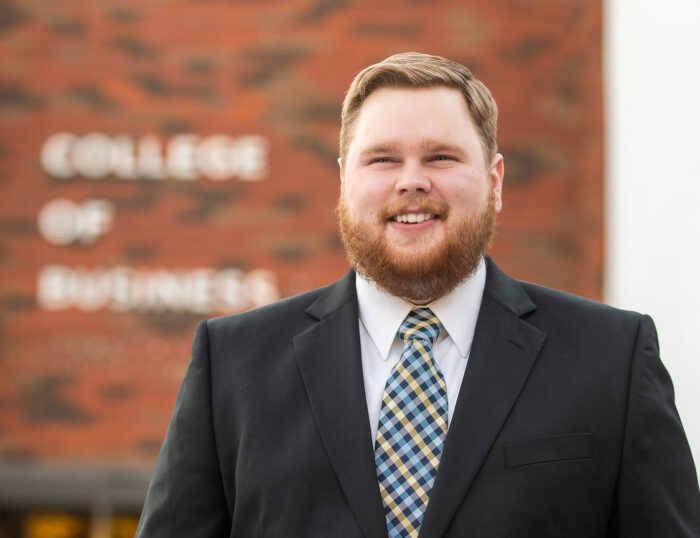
(381, 316)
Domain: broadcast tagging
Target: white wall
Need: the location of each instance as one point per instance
(652, 57)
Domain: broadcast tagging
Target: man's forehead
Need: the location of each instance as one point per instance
(435, 118)
(387, 107)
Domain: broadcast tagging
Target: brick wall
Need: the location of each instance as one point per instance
(92, 349)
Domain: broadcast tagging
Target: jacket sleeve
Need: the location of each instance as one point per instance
(658, 487)
(186, 496)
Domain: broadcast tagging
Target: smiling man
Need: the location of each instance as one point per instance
(419, 191)
(425, 393)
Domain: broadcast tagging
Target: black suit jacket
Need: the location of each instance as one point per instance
(565, 426)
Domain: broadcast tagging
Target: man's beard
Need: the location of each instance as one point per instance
(429, 272)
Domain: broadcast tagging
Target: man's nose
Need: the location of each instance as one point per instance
(413, 178)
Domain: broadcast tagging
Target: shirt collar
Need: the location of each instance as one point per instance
(382, 313)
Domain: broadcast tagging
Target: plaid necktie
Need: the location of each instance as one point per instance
(412, 426)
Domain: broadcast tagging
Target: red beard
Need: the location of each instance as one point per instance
(424, 275)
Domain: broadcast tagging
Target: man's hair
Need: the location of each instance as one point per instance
(416, 70)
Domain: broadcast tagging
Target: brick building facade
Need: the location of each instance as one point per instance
(166, 161)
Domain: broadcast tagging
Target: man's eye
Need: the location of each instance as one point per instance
(381, 160)
(443, 158)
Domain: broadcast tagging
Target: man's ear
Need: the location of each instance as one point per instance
(496, 180)
(340, 169)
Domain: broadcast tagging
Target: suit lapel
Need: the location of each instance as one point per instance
(503, 352)
(328, 355)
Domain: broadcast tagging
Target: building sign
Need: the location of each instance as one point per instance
(184, 156)
(63, 221)
(121, 288)
(142, 289)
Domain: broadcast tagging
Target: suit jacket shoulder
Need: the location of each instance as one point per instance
(260, 334)
(569, 321)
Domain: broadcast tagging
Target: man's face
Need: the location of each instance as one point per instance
(418, 201)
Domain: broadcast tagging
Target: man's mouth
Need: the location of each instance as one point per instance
(413, 218)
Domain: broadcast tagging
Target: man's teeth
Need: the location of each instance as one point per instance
(414, 218)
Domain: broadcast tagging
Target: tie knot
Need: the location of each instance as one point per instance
(420, 324)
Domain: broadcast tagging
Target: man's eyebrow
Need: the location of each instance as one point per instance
(428, 145)
(380, 148)
(434, 146)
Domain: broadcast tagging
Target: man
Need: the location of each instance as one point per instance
(426, 391)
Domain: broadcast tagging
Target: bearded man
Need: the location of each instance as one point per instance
(425, 393)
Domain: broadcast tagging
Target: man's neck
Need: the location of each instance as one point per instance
(420, 302)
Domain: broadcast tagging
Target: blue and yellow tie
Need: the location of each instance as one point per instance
(412, 426)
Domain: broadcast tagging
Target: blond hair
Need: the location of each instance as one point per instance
(416, 70)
